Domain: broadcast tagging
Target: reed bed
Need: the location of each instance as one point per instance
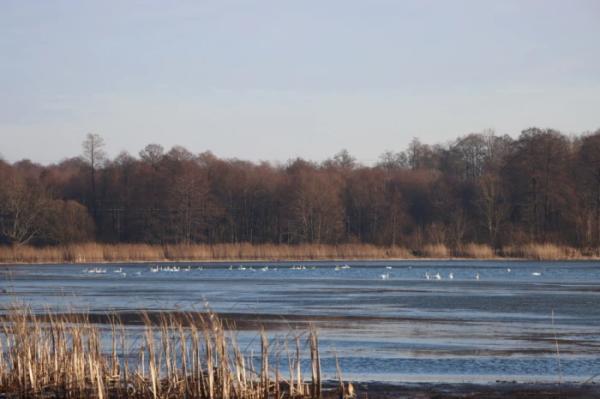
(180, 356)
(544, 251)
(475, 251)
(95, 252)
(435, 251)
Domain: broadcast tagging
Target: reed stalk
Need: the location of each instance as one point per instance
(67, 356)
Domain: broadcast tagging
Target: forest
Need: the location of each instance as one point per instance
(542, 187)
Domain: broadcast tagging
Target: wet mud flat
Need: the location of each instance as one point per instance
(231, 320)
(435, 391)
(499, 390)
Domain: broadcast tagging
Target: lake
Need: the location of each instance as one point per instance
(393, 321)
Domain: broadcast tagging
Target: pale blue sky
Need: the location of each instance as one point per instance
(271, 80)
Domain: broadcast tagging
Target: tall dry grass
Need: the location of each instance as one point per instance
(184, 356)
(435, 251)
(94, 252)
(545, 251)
(475, 251)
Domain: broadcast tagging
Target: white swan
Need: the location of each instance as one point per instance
(96, 270)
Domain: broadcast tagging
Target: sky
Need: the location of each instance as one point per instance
(275, 80)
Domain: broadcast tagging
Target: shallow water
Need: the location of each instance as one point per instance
(385, 320)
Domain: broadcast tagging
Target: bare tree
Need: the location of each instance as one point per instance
(587, 165)
(188, 204)
(22, 205)
(152, 154)
(94, 156)
(543, 186)
(492, 205)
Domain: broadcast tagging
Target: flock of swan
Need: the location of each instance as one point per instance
(172, 269)
(437, 276)
(450, 276)
(104, 270)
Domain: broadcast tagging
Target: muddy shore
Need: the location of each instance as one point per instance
(499, 390)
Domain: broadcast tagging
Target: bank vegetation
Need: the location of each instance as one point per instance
(122, 253)
(482, 195)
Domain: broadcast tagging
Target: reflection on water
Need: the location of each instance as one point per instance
(404, 320)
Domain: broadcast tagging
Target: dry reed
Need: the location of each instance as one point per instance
(93, 252)
(476, 251)
(180, 356)
(542, 252)
(435, 251)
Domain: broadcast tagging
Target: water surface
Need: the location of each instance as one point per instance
(474, 321)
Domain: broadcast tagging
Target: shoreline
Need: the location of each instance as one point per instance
(125, 262)
(98, 253)
(497, 390)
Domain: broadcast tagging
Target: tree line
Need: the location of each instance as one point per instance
(543, 187)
